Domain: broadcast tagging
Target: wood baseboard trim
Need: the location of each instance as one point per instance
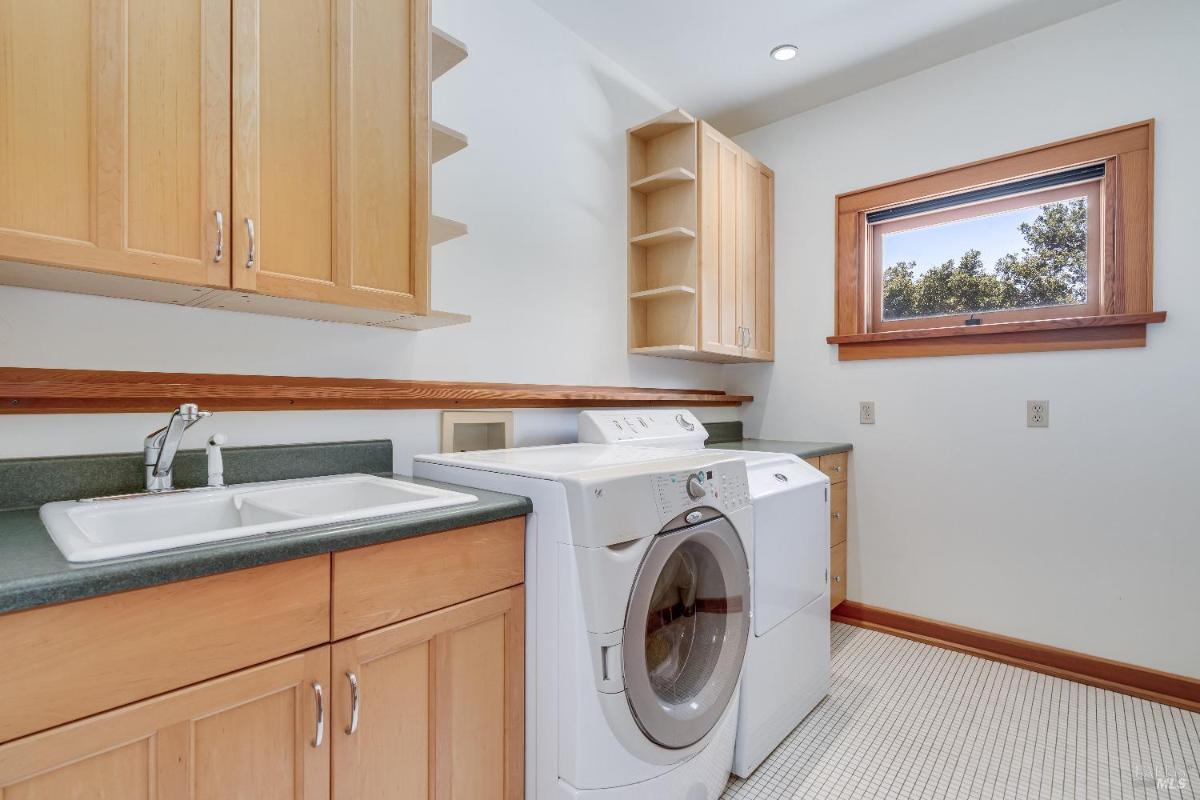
(82, 391)
(1162, 687)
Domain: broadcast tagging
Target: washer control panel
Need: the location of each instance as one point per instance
(723, 486)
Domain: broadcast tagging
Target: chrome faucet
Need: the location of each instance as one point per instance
(162, 445)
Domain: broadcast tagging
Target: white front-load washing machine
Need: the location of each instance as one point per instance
(637, 595)
(787, 659)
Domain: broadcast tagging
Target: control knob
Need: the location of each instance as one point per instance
(695, 486)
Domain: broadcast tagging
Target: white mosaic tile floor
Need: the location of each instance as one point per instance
(910, 721)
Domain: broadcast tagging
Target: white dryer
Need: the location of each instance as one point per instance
(787, 659)
(637, 590)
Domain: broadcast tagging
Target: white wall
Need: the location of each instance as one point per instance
(1084, 536)
(542, 186)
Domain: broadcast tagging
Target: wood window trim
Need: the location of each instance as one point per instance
(1126, 286)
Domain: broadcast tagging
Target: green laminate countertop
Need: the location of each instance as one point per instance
(802, 449)
(34, 573)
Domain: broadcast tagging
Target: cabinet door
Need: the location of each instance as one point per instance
(756, 214)
(332, 151)
(250, 735)
(440, 705)
(720, 330)
(114, 136)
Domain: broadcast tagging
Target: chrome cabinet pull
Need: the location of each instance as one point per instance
(837, 467)
(250, 249)
(837, 578)
(219, 252)
(837, 515)
(319, 738)
(353, 726)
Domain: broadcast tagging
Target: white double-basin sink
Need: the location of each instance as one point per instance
(112, 528)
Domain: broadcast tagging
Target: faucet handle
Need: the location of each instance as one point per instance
(191, 413)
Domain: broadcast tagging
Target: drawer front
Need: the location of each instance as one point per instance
(386, 583)
(65, 662)
(837, 574)
(815, 461)
(837, 513)
(836, 466)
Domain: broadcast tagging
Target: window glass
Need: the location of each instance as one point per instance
(1033, 256)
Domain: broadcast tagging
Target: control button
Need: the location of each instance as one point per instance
(695, 487)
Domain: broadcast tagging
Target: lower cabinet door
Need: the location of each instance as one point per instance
(258, 734)
(433, 707)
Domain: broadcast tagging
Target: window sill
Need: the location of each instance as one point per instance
(1068, 333)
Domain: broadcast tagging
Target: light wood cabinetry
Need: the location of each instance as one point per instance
(252, 734)
(114, 136)
(837, 467)
(439, 705)
(67, 661)
(436, 709)
(700, 244)
(255, 155)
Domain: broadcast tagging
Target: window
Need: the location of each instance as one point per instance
(1023, 255)
(1039, 250)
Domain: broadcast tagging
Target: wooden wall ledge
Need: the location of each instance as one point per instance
(68, 391)
(1067, 333)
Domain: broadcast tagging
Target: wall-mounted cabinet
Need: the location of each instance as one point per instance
(700, 244)
(256, 155)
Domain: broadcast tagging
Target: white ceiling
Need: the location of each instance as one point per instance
(712, 56)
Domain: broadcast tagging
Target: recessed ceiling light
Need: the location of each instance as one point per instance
(784, 52)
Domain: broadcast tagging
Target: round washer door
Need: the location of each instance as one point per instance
(685, 631)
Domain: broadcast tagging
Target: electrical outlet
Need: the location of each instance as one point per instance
(866, 412)
(1037, 413)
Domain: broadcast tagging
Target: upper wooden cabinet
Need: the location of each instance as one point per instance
(114, 136)
(256, 155)
(332, 151)
(701, 217)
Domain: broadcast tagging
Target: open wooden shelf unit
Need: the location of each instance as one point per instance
(663, 271)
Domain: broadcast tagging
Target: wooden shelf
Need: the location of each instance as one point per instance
(67, 391)
(663, 180)
(663, 236)
(663, 291)
(663, 350)
(447, 53)
(443, 230)
(446, 141)
(665, 123)
(418, 322)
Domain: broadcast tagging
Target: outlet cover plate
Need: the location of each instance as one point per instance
(866, 412)
(1037, 413)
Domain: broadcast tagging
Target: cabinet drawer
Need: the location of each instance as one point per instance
(837, 574)
(385, 583)
(815, 461)
(837, 513)
(65, 662)
(836, 466)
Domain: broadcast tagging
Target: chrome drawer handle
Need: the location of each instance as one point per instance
(837, 467)
(250, 248)
(319, 738)
(354, 705)
(837, 578)
(219, 252)
(837, 515)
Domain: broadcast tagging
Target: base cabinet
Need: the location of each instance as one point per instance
(252, 735)
(837, 467)
(433, 707)
(427, 707)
